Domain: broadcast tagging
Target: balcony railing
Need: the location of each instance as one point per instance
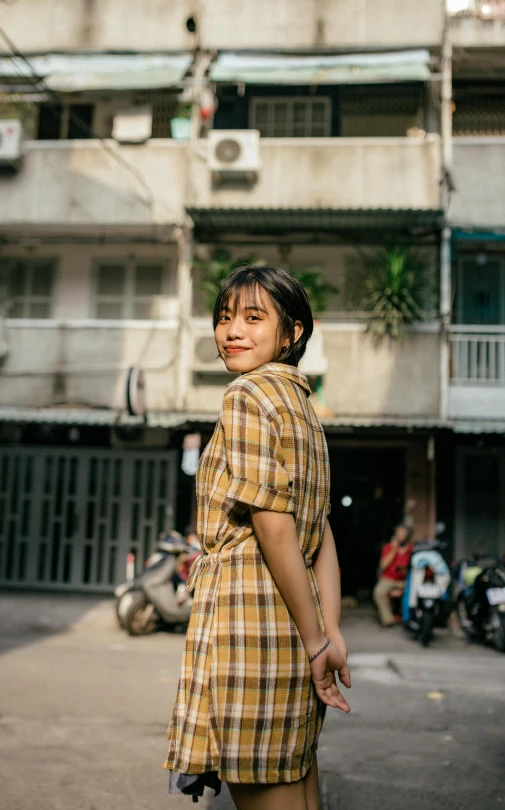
(478, 355)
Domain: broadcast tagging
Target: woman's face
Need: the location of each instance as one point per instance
(247, 334)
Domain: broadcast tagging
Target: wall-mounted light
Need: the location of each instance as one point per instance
(346, 501)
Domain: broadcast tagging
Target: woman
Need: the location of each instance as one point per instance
(258, 668)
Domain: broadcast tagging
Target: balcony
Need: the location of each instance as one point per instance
(86, 187)
(478, 23)
(479, 169)
(338, 173)
(84, 363)
(477, 385)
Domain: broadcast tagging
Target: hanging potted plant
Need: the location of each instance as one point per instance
(180, 123)
(392, 287)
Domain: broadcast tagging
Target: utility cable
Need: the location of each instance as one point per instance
(41, 83)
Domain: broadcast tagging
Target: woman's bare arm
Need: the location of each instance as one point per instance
(276, 534)
(327, 573)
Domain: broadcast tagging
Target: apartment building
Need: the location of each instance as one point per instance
(326, 145)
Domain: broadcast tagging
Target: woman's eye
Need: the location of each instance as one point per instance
(223, 318)
(253, 318)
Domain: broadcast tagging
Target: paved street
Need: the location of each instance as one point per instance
(84, 710)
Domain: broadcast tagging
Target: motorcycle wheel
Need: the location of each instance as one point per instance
(427, 623)
(464, 622)
(499, 631)
(122, 606)
(141, 618)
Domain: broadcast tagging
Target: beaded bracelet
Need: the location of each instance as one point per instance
(313, 657)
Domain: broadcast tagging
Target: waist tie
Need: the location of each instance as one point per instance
(202, 563)
(217, 559)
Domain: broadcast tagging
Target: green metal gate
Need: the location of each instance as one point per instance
(69, 517)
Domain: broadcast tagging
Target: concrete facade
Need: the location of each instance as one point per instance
(151, 25)
(333, 173)
(95, 190)
(479, 174)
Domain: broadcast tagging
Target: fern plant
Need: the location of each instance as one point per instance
(392, 289)
(215, 270)
(317, 288)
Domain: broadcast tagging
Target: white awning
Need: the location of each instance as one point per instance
(77, 72)
(357, 68)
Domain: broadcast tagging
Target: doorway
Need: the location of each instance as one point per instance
(367, 500)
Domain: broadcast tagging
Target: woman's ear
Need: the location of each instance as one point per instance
(297, 331)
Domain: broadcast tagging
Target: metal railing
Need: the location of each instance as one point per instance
(477, 355)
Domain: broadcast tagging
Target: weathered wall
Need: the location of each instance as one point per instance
(79, 185)
(66, 25)
(479, 175)
(146, 25)
(335, 173)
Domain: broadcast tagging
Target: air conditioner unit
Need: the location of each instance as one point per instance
(11, 142)
(205, 356)
(133, 125)
(234, 152)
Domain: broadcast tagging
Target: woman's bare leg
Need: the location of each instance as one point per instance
(302, 795)
(312, 792)
(269, 797)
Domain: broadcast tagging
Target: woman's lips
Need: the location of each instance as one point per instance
(235, 349)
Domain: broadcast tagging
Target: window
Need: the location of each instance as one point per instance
(57, 122)
(30, 285)
(480, 289)
(131, 290)
(291, 117)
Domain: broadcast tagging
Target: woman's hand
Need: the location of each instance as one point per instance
(333, 659)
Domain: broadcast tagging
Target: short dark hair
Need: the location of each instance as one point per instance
(288, 297)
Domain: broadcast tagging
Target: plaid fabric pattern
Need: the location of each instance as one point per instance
(246, 707)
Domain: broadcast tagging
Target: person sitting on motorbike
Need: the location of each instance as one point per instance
(394, 566)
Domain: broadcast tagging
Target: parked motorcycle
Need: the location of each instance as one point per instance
(157, 596)
(480, 602)
(426, 602)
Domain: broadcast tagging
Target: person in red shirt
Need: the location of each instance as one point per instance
(394, 567)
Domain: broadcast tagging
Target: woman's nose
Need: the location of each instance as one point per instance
(235, 328)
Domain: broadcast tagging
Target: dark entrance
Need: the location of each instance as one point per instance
(367, 500)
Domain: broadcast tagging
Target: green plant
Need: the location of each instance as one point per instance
(392, 287)
(313, 281)
(215, 270)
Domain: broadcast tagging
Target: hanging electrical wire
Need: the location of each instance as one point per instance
(37, 82)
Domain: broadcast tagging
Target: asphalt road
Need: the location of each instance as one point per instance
(83, 712)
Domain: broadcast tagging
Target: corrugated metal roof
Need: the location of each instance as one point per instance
(177, 419)
(329, 220)
(99, 417)
(355, 68)
(77, 72)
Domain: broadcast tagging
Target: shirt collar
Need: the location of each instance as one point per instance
(286, 372)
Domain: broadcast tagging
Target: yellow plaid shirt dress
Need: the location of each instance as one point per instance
(246, 707)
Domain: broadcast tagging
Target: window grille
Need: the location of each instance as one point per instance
(379, 100)
(286, 117)
(30, 286)
(164, 107)
(479, 110)
(130, 290)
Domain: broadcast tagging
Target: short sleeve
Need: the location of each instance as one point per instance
(256, 463)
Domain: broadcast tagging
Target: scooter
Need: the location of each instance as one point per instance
(480, 602)
(426, 602)
(157, 596)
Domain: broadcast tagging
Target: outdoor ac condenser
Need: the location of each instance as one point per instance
(234, 152)
(11, 143)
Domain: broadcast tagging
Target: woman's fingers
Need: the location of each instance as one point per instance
(331, 695)
(345, 675)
